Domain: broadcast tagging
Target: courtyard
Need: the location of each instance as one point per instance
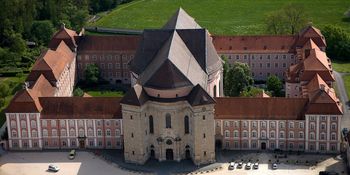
(111, 162)
(30, 163)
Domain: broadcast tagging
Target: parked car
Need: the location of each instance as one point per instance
(328, 173)
(274, 166)
(256, 165)
(231, 166)
(71, 154)
(240, 165)
(248, 166)
(53, 168)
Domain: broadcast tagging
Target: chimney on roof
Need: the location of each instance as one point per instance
(63, 25)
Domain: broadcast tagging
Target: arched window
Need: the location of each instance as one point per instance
(72, 133)
(81, 133)
(33, 123)
(13, 124)
(187, 125)
(214, 89)
(54, 132)
(117, 132)
(63, 132)
(24, 133)
(14, 133)
(23, 124)
(168, 121)
(108, 132)
(150, 120)
(34, 133)
(90, 132)
(45, 133)
(227, 133)
(99, 132)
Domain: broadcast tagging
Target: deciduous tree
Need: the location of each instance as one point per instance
(92, 74)
(274, 85)
(238, 78)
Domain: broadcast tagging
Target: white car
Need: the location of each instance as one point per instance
(274, 166)
(231, 166)
(53, 168)
(256, 165)
(248, 166)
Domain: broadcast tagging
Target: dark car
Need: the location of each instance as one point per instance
(328, 173)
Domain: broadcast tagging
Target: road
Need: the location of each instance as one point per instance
(343, 98)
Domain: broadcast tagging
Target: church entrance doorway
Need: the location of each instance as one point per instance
(169, 154)
(188, 154)
(153, 155)
(263, 145)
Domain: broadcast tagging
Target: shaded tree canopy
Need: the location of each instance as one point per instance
(338, 42)
(274, 85)
(92, 74)
(289, 20)
(238, 78)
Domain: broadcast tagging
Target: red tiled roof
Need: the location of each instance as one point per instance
(51, 63)
(108, 43)
(259, 44)
(81, 107)
(26, 100)
(260, 108)
(66, 35)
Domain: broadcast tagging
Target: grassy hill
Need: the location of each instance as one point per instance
(221, 16)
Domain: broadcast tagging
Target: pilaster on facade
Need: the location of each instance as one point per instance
(306, 131)
(317, 132)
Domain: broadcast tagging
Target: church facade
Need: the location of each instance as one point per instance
(175, 108)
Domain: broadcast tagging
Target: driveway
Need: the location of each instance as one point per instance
(343, 98)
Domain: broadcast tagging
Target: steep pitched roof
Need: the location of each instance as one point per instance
(80, 107)
(24, 101)
(174, 55)
(198, 96)
(167, 77)
(260, 108)
(181, 20)
(51, 63)
(135, 96)
(66, 35)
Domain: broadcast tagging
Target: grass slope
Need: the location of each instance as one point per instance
(347, 83)
(343, 67)
(221, 16)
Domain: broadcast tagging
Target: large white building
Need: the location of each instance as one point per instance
(175, 107)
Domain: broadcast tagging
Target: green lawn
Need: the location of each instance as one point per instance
(339, 66)
(221, 16)
(347, 83)
(105, 93)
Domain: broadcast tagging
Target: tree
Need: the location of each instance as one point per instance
(4, 90)
(289, 20)
(275, 23)
(251, 91)
(78, 92)
(92, 74)
(338, 42)
(237, 79)
(274, 85)
(42, 31)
